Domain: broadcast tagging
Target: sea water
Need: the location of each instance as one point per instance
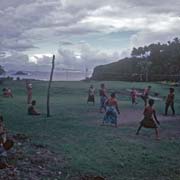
(57, 76)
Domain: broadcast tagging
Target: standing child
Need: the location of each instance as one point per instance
(150, 119)
(145, 95)
(103, 97)
(111, 110)
(170, 101)
(91, 94)
(29, 92)
(133, 96)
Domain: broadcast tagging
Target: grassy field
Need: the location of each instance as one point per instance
(74, 131)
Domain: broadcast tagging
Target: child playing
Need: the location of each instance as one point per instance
(170, 101)
(4, 147)
(133, 96)
(150, 119)
(29, 92)
(103, 97)
(145, 95)
(31, 109)
(111, 110)
(7, 92)
(91, 94)
(2, 129)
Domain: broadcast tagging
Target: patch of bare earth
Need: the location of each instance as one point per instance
(32, 161)
(169, 125)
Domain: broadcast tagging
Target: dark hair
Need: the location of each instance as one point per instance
(4, 89)
(102, 85)
(113, 94)
(171, 89)
(149, 86)
(33, 102)
(151, 102)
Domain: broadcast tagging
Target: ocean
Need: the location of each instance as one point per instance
(44, 76)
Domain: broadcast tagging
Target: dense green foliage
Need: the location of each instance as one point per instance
(74, 132)
(151, 63)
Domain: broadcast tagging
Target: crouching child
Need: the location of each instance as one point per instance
(150, 119)
(4, 147)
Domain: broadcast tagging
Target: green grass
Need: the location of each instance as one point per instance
(74, 131)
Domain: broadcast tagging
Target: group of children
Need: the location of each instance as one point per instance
(7, 92)
(110, 106)
(5, 142)
(32, 103)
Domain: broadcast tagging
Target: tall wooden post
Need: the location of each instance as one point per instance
(49, 86)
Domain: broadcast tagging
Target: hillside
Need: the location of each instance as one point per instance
(149, 63)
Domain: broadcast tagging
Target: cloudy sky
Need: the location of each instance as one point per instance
(81, 33)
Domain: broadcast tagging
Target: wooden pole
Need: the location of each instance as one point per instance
(49, 86)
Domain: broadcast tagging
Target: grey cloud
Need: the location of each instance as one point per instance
(66, 43)
(43, 61)
(76, 30)
(17, 45)
(143, 38)
(15, 3)
(24, 23)
(15, 58)
(19, 61)
(89, 57)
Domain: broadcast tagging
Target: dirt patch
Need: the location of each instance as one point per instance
(134, 116)
(169, 125)
(32, 161)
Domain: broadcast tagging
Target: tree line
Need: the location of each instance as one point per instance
(155, 62)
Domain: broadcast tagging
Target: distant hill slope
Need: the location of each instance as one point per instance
(149, 63)
(121, 70)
